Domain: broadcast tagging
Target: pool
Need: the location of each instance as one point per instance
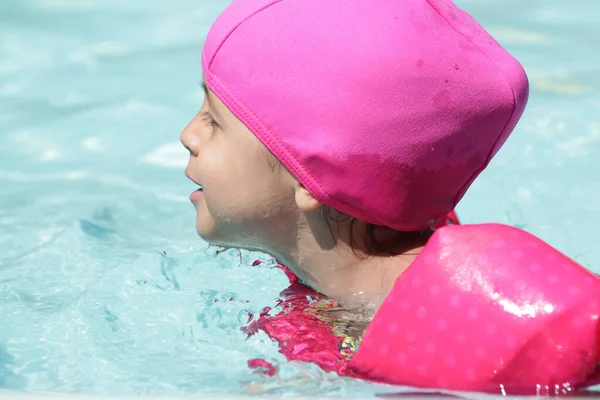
(105, 287)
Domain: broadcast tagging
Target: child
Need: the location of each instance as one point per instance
(338, 136)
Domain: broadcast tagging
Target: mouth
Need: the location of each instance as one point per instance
(197, 195)
(199, 190)
(200, 187)
(191, 178)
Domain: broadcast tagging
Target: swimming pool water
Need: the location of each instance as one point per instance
(104, 286)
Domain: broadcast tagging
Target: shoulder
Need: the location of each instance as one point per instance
(475, 305)
(493, 254)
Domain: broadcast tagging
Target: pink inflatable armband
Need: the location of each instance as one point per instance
(487, 307)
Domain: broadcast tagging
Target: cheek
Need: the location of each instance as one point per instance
(244, 188)
(238, 180)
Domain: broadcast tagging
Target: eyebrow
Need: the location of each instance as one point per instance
(215, 111)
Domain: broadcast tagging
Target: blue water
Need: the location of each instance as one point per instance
(104, 286)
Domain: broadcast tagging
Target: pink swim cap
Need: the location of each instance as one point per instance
(385, 110)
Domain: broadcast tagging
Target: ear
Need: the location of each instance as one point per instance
(304, 200)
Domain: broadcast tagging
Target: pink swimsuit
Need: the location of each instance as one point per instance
(483, 308)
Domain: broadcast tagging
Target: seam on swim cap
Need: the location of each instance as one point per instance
(279, 148)
(258, 128)
(209, 64)
(269, 139)
(510, 117)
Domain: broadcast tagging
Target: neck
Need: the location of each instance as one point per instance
(324, 260)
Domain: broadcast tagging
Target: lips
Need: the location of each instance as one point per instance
(191, 178)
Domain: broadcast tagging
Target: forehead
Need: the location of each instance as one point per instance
(272, 161)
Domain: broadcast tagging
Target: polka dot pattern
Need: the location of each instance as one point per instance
(577, 322)
(450, 360)
(401, 359)
(480, 352)
(499, 244)
(463, 316)
(442, 382)
(520, 285)
(517, 254)
(471, 375)
(416, 282)
(455, 301)
(384, 350)
(404, 305)
(574, 291)
(535, 267)
(442, 325)
(472, 314)
(430, 348)
(532, 354)
(591, 280)
(510, 342)
(410, 336)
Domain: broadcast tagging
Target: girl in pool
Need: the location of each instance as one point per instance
(338, 136)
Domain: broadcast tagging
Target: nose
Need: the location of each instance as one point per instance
(189, 140)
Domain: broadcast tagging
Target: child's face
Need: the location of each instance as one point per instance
(244, 202)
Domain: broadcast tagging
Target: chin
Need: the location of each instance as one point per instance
(230, 237)
(209, 233)
(206, 230)
(214, 238)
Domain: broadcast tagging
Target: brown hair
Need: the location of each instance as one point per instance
(376, 240)
(370, 242)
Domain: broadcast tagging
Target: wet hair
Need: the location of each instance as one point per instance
(272, 161)
(369, 242)
(376, 240)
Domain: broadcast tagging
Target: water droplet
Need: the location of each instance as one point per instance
(446, 80)
(455, 66)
